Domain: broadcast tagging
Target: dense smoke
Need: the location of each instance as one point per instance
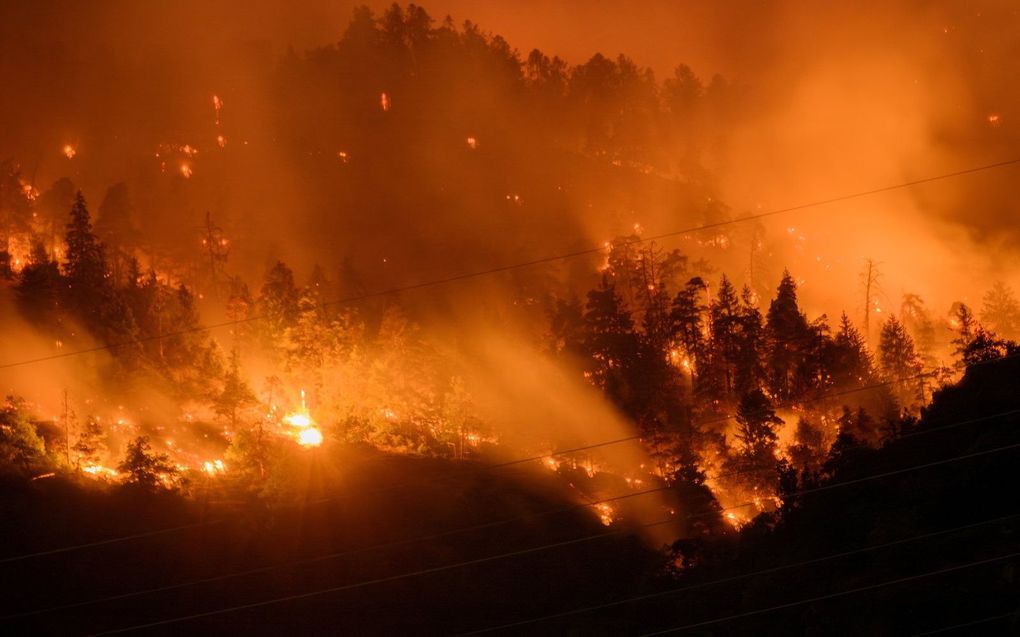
(831, 101)
(380, 148)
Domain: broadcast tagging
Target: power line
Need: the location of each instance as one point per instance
(334, 555)
(478, 274)
(17, 558)
(476, 561)
(741, 576)
(1014, 614)
(523, 264)
(122, 538)
(390, 578)
(375, 547)
(850, 591)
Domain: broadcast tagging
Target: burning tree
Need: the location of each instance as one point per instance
(688, 318)
(39, 287)
(757, 422)
(89, 446)
(146, 469)
(236, 395)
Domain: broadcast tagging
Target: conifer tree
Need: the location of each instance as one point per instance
(115, 228)
(962, 322)
(53, 205)
(896, 354)
(1000, 311)
(146, 469)
(788, 335)
(39, 286)
(85, 269)
(610, 341)
(757, 422)
(236, 395)
(725, 328)
(851, 361)
(688, 322)
(278, 301)
(750, 368)
(89, 445)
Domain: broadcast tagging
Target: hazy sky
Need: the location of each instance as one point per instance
(842, 97)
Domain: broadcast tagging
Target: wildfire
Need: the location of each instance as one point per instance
(310, 437)
(735, 520)
(213, 467)
(30, 191)
(677, 358)
(300, 420)
(308, 434)
(217, 104)
(606, 513)
(69, 151)
(101, 472)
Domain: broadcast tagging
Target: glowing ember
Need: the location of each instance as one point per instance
(221, 141)
(472, 143)
(735, 520)
(342, 156)
(994, 120)
(29, 190)
(70, 151)
(186, 171)
(605, 513)
(384, 102)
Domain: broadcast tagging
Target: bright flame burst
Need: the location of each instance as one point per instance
(213, 467)
(605, 513)
(70, 151)
(100, 471)
(308, 435)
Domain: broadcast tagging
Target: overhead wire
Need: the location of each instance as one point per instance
(522, 264)
(536, 549)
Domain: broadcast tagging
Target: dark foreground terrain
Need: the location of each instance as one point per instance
(917, 536)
